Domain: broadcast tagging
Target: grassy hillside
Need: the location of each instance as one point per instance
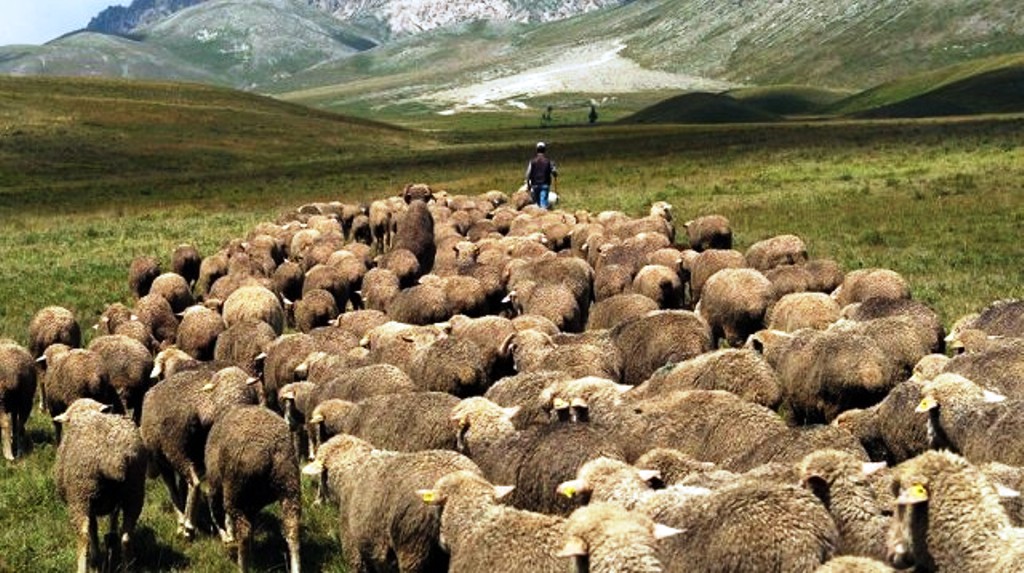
(94, 173)
(701, 108)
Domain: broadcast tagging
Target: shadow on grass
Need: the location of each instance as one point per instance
(153, 555)
(269, 552)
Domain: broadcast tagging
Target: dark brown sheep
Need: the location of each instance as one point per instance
(250, 464)
(175, 289)
(709, 232)
(177, 414)
(141, 272)
(659, 338)
(17, 391)
(185, 261)
(128, 365)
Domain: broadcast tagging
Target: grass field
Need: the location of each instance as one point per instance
(93, 173)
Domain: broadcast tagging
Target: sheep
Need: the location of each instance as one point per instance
(656, 339)
(480, 534)
(948, 518)
(100, 469)
(734, 303)
(604, 538)
(451, 365)
(488, 333)
(840, 480)
(611, 311)
(791, 444)
(532, 350)
(902, 337)
(415, 232)
(705, 264)
(999, 367)
(399, 422)
(535, 459)
(574, 398)
(888, 430)
(243, 343)
(862, 284)
(380, 224)
(155, 312)
(175, 289)
(177, 414)
(185, 261)
(607, 480)
(396, 343)
(522, 391)
(743, 372)
(331, 279)
(316, 308)
(927, 320)
(128, 364)
(251, 463)
(141, 272)
(380, 285)
(17, 391)
(198, 331)
(403, 263)
(1001, 318)
(73, 374)
(283, 356)
(254, 302)
(362, 382)
(979, 424)
(421, 305)
(769, 253)
(660, 284)
(709, 232)
(296, 401)
(53, 325)
(671, 465)
(725, 529)
(823, 373)
(556, 302)
(383, 523)
(211, 268)
(288, 279)
(803, 310)
(612, 280)
(788, 279)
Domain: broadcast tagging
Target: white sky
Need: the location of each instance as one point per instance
(39, 21)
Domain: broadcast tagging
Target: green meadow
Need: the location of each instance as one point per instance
(94, 173)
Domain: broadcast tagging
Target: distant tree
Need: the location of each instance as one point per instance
(593, 114)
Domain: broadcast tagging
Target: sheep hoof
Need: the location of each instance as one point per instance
(226, 537)
(187, 530)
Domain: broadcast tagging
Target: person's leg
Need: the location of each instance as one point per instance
(542, 198)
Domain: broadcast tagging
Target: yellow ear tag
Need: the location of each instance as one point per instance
(429, 496)
(927, 403)
(914, 494)
(569, 491)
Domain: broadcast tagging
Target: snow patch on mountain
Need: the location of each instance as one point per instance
(592, 68)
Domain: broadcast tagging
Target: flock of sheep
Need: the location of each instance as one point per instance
(477, 384)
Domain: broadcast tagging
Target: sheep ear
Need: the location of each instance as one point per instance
(1004, 491)
(574, 547)
(61, 418)
(649, 475)
(661, 531)
(251, 380)
(992, 397)
(209, 386)
(500, 491)
(927, 403)
(106, 408)
(510, 413)
(912, 495)
(814, 482)
(313, 468)
(41, 359)
(871, 468)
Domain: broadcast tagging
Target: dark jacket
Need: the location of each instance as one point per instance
(540, 171)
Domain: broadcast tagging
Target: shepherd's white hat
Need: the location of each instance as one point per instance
(541, 146)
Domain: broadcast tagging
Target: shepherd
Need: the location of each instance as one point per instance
(541, 173)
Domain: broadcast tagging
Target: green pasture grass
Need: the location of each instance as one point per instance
(941, 202)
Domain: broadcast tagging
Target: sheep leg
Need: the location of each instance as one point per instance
(291, 516)
(188, 528)
(82, 543)
(7, 424)
(112, 546)
(93, 553)
(244, 529)
(170, 478)
(20, 441)
(217, 515)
